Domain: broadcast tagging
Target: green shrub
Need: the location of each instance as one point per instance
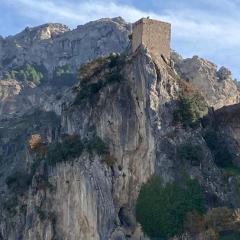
(70, 148)
(116, 61)
(86, 90)
(161, 210)
(96, 145)
(113, 77)
(63, 76)
(220, 219)
(222, 157)
(191, 109)
(90, 69)
(191, 153)
(27, 72)
(218, 223)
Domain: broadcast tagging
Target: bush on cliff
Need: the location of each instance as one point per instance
(191, 109)
(161, 210)
(96, 75)
(218, 223)
(96, 145)
(72, 147)
(27, 72)
(63, 76)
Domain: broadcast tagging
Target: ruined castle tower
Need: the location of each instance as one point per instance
(155, 35)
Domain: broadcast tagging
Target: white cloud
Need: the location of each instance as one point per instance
(188, 24)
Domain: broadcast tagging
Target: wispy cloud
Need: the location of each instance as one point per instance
(74, 12)
(202, 30)
(187, 23)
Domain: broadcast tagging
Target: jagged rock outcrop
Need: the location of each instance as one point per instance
(9, 89)
(217, 85)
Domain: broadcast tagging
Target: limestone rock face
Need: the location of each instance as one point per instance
(90, 197)
(55, 45)
(43, 32)
(49, 46)
(85, 198)
(9, 89)
(217, 85)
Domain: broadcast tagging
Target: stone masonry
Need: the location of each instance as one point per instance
(155, 35)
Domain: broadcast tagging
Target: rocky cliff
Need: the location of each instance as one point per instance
(48, 48)
(75, 154)
(216, 84)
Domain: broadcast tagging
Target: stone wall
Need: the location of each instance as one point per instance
(155, 35)
(137, 35)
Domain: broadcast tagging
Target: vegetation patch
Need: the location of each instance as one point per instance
(27, 72)
(70, 148)
(218, 223)
(191, 109)
(177, 208)
(161, 210)
(96, 145)
(191, 153)
(63, 75)
(96, 75)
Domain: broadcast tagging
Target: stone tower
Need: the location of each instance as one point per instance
(155, 35)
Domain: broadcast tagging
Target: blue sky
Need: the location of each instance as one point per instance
(208, 28)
